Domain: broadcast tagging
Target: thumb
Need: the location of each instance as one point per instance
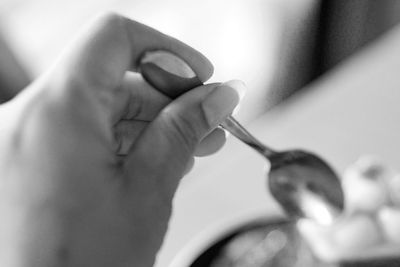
(169, 142)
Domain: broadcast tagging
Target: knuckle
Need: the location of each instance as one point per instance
(109, 22)
(69, 89)
(110, 18)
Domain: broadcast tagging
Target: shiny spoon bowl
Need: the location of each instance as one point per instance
(303, 184)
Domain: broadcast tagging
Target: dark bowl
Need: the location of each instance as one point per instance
(261, 241)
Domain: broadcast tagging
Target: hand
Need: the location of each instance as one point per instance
(91, 155)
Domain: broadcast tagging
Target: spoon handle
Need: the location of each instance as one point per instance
(165, 81)
(235, 128)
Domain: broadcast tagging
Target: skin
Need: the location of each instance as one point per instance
(91, 155)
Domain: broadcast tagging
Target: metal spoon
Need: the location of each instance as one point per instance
(303, 184)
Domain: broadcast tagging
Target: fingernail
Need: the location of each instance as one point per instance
(222, 101)
(169, 62)
(227, 134)
(240, 87)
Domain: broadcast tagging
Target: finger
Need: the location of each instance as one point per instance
(171, 75)
(137, 100)
(114, 44)
(178, 130)
(211, 143)
(126, 132)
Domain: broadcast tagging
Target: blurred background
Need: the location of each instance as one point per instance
(277, 47)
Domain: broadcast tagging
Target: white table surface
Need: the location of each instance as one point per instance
(352, 111)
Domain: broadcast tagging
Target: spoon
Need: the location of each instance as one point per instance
(302, 183)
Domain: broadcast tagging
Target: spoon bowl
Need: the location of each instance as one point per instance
(305, 186)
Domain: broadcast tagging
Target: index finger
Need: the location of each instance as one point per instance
(114, 44)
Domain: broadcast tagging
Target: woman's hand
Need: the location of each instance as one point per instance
(91, 155)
